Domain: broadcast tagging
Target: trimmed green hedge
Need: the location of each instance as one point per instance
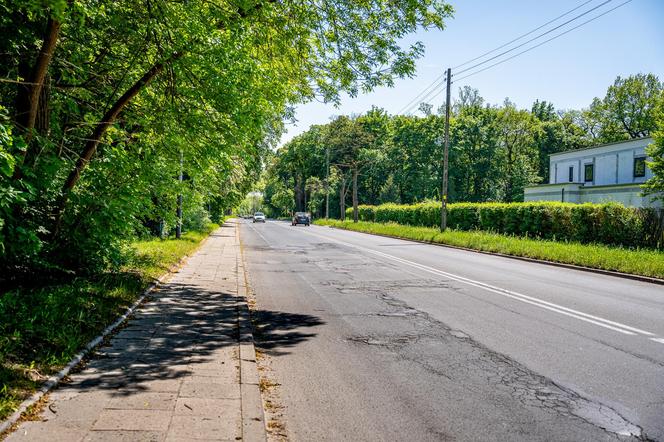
(610, 223)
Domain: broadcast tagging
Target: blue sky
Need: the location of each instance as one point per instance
(568, 71)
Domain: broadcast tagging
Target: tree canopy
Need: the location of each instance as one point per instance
(104, 103)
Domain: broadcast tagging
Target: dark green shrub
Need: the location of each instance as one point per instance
(610, 223)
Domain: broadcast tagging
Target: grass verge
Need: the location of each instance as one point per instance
(43, 328)
(638, 262)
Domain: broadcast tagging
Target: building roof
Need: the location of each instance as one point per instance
(601, 145)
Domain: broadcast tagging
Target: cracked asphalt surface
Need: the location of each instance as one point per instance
(380, 345)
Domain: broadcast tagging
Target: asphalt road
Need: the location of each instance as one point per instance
(381, 339)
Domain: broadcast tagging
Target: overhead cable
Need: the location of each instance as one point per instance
(544, 42)
(523, 35)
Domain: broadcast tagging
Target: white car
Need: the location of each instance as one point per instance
(259, 217)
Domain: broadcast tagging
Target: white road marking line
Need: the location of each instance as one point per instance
(660, 340)
(606, 323)
(513, 295)
(259, 234)
(525, 298)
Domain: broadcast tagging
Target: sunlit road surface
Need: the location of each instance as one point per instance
(374, 338)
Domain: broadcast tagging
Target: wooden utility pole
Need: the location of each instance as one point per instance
(443, 206)
(327, 183)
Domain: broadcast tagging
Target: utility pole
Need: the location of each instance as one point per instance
(178, 228)
(443, 206)
(327, 182)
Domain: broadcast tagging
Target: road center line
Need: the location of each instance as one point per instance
(596, 320)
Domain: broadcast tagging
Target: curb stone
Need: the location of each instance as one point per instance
(641, 278)
(54, 381)
(253, 416)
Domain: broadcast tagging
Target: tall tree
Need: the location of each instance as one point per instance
(558, 133)
(476, 155)
(626, 111)
(655, 185)
(352, 143)
(516, 129)
(630, 102)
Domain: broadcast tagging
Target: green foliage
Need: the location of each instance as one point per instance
(251, 204)
(19, 239)
(611, 224)
(656, 152)
(639, 262)
(135, 93)
(197, 218)
(628, 109)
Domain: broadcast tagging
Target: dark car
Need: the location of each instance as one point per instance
(301, 218)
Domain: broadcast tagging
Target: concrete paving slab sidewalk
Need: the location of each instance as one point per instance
(183, 368)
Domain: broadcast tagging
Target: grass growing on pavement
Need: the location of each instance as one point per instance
(43, 328)
(637, 262)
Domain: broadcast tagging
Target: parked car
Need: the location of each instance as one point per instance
(301, 218)
(259, 217)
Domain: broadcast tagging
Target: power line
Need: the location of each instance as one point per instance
(430, 98)
(439, 92)
(544, 42)
(523, 35)
(414, 107)
(534, 38)
(426, 90)
(427, 95)
(440, 80)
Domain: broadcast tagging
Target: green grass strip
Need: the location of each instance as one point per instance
(43, 328)
(634, 261)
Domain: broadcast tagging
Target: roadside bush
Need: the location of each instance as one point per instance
(610, 223)
(197, 218)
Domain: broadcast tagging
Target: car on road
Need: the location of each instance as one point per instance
(259, 217)
(301, 218)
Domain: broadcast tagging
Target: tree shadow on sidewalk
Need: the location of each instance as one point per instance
(181, 329)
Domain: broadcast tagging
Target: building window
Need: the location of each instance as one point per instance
(639, 167)
(571, 174)
(588, 172)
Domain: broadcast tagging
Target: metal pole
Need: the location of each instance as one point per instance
(178, 228)
(327, 183)
(443, 206)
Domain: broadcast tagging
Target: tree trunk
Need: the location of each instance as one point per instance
(38, 75)
(100, 129)
(108, 119)
(510, 171)
(29, 101)
(355, 173)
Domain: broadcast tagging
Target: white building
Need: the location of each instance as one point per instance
(599, 174)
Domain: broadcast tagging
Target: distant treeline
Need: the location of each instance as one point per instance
(495, 150)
